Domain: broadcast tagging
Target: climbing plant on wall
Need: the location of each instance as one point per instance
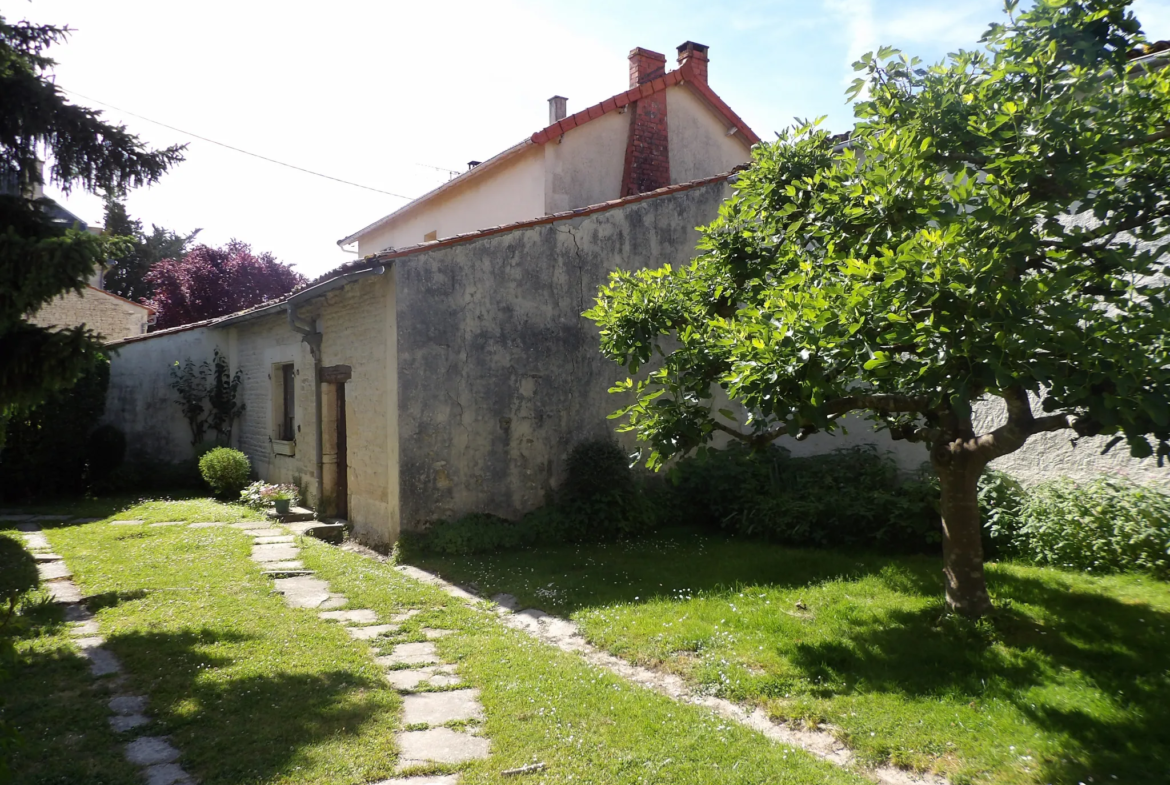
(207, 396)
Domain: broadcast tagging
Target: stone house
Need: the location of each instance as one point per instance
(110, 316)
(449, 369)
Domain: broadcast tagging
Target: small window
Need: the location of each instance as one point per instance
(285, 400)
(429, 236)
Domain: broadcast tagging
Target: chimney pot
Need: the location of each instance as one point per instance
(473, 164)
(696, 55)
(646, 66)
(558, 107)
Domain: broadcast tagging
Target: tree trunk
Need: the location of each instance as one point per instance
(962, 546)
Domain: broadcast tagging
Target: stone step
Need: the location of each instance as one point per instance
(439, 745)
(327, 531)
(293, 515)
(438, 708)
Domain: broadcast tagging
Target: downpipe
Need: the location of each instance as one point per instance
(310, 336)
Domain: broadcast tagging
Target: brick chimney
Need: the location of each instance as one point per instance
(646, 66)
(696, 55)
(647, 165)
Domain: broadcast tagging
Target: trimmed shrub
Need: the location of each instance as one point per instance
(1106, 525)
(45, 450)
(226, 471)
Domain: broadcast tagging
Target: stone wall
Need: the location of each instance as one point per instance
(498, 373)
(140, 400)
(108, 315)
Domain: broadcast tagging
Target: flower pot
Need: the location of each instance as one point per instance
(282, 506)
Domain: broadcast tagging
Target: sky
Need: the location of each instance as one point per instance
(397, 95)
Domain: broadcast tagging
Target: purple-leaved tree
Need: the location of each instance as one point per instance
(209, 282)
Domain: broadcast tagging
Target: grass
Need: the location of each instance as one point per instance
(1068, 683)
(254, 692)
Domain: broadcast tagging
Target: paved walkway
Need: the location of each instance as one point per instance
(441, 716)
(155, 755)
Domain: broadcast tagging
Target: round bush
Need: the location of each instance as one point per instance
(226, 471)
(105, 449)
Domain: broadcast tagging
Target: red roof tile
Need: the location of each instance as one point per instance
(685, 75)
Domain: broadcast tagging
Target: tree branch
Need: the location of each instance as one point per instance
(892, 404)
(1157, 136)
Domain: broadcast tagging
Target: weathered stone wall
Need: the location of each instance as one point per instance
(140, 400)
(357, 324)
(498, 374)
(111, 317)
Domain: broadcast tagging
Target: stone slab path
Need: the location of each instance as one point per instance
(154, 755)
(432, 698)
(566, 635)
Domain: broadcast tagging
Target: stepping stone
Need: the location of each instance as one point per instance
(167, 523)
(101, 661)
(334, 601)
(303, 591)
(356, 616)
(275, 540)
(506, 602)
(292, 564)
(460, 594)
(206, 524)
(151, 750)
(127, 523)
(371, 632)
(439, 745)
(46, 557)
(121, 723)
(246, 525)
(167, 774)
(53, 571)
(128, 704)
(437, 676)
(86, 520)
(50, 517)
(410, 654)
(434, 635)
(274, 573)
(445, 779)
(36, 541)
(27, 526)
(85, 629)
(64, 592)
(398, 618)
(437, 708)
(280, 552)
(265, 532)
(74, 611)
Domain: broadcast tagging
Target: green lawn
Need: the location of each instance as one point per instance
(253, 692)
(1070, 683)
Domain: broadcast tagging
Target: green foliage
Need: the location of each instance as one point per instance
(1001, 501)
(207, 395)
(226, 471)
(1106, 525)
(105, 450)
(260, 495)
(127, 274)
(931, 260)
(39, 257)
(47, 448)
(846, 498)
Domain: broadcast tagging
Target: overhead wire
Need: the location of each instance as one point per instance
(236, 149)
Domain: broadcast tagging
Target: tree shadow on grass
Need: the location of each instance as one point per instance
(1088, 670)
(254, 727)
(691, 560)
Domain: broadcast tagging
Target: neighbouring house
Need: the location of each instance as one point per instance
(110, 316)
(449, 370)
(669, 127)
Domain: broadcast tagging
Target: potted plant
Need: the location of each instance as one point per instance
(282, 498)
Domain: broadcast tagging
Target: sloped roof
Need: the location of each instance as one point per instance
(684, 75)
(375, 260)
